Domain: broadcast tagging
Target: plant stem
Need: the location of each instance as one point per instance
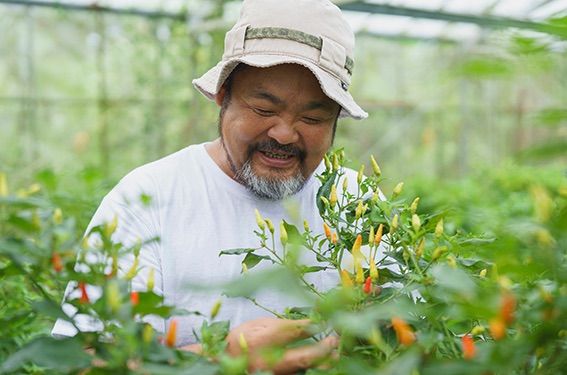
(265, 308)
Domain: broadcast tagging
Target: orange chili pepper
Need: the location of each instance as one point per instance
(378, 235)
(508, 307)
(171, 334)
(367, 285)
(404, 333)
(56, 262)
(334, 238)
(134, 298)
(84, 295)
(497, 329)
(327, 231)
(469, 348)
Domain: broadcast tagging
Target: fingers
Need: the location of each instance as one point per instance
(305, 357)
(265, 332)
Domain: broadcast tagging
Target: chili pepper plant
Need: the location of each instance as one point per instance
(421, 286)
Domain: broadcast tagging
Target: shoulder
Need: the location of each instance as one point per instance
(152, 178)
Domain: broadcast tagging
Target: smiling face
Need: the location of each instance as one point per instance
(276, 126)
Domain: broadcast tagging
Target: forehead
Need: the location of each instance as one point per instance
(289, 82)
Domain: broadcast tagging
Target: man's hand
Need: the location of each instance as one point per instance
(267, 333)
(271, 332)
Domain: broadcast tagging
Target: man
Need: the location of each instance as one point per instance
(281, 86)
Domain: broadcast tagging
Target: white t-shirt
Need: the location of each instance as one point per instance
(196, 211)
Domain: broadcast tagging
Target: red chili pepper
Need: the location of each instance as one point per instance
(368, 285)
(134, 298)
(469, 349)
(56, 262)
(84, 295)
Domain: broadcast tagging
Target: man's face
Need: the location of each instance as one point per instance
(275, 128)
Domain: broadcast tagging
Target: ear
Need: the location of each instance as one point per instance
(219, 97)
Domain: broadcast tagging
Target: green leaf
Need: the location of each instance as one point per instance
(403, 365)
(324, 191)
(50, 308)
(251, 259)
(293, 235)
(309, 269)
(64, 355)
(275, 279)
(151, 303)
(237, 251)
(454, 280)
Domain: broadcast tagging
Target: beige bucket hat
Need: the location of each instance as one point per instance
(312, 33)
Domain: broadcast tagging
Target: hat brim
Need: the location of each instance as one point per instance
(210, 83)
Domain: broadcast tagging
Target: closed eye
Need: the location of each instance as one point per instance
(263, 112)
(312, 120)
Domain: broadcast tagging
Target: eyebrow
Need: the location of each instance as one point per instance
(316, 104)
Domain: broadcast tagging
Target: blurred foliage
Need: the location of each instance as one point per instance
(474, 280)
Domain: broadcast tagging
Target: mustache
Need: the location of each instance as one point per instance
(274, 146)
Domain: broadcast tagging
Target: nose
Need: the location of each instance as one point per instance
(284, 132)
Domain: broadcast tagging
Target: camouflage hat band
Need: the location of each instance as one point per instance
(293, 35)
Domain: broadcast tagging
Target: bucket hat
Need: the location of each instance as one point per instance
(312, 33)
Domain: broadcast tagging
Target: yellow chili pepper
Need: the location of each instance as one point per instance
(415, 222)
(420, 248)
(371, 236)
(356, 246)
(283, 234)
(259, 220)
(113, 296)
(413, 207)
(336, 164)
(359, 278)
(328, 165)
(147, 334)
(439, 229)
(394, 223)
(333, 196)
(360, 175)
(110, 227)
(270, 225)
(57, 216)
(133, 269)
(375, 166)
(373, 270)
(397, 190)
(477, 330)
(346, 280)
(151, 279)
(216, 308)
(358, 212)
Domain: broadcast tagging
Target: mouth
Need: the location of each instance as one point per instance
(277, 155)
